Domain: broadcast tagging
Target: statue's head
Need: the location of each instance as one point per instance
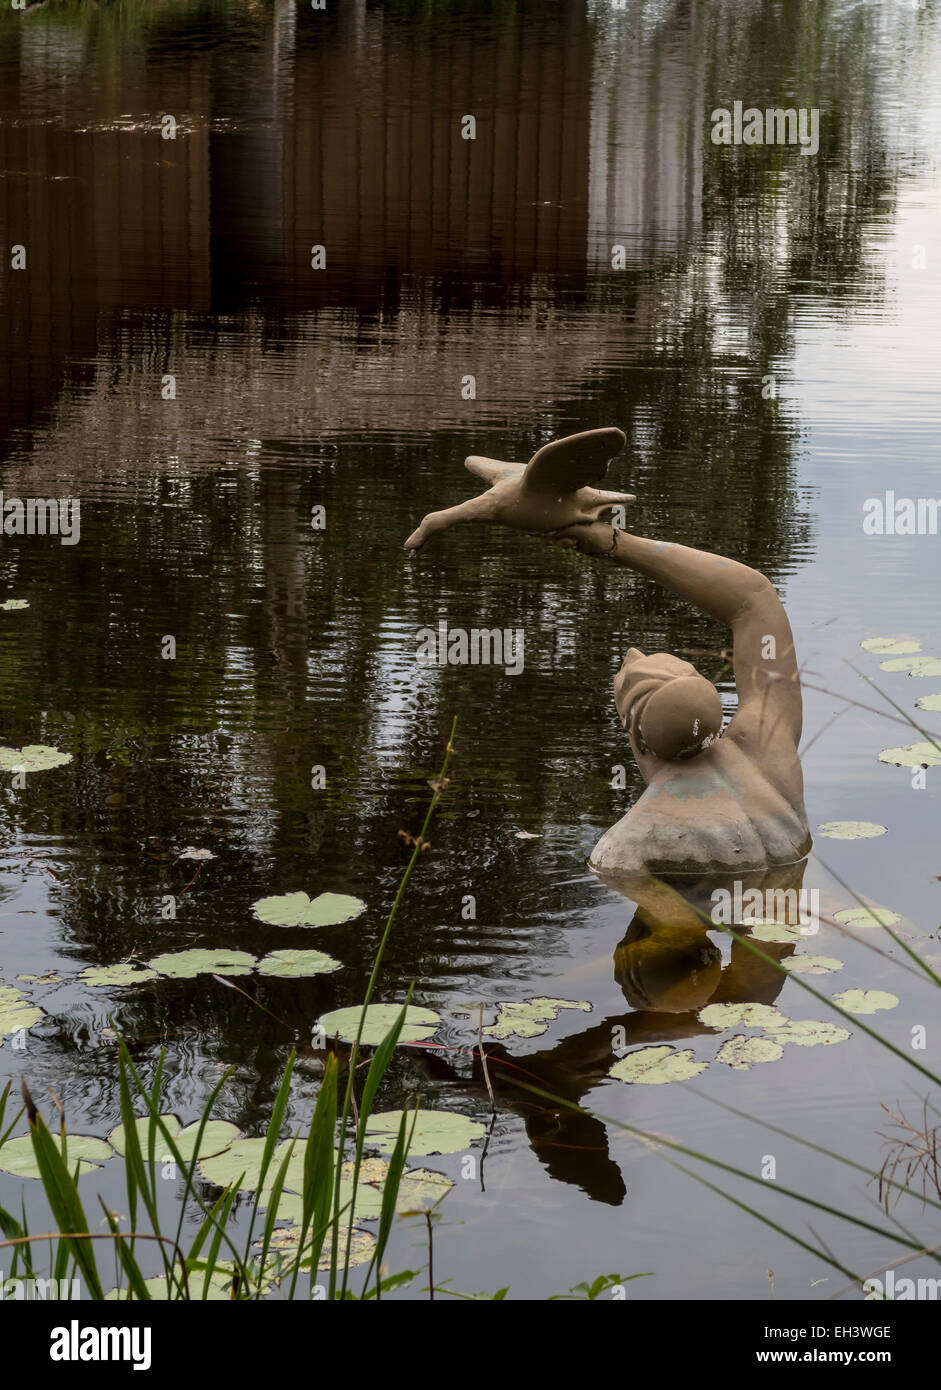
(672, 711)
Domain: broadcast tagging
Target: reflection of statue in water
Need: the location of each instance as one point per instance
(721, 807)
(716, 799)
(669, 969)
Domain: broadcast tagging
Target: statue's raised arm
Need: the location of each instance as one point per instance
(717, 799)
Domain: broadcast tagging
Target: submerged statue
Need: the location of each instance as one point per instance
(717, 800)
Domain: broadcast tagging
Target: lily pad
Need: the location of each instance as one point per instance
(220, 1288)
(361, 1249)
(744, 1015)
(851, 829)
(17, 1155)
(743, 1053)
(929, 701)
(368, 1205)
(124, 973)
(16, 1012)
(298, 910)
(779, 932)
(896, 645)
(421, 1188)
(32, 757)
(11, 605)
(812, 965)
(436, 1131)
(807, 1032)
(419, 1023)
(185, 965)
(531, 1017)
(242, 1159)
(297, 963)
(655, 1065)
(912, 755)
(866, 917)
(216, 1137)
(865, 1001)
(914, 665)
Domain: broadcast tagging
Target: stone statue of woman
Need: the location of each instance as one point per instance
(718, 800)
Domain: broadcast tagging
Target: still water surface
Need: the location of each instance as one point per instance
(341, 388)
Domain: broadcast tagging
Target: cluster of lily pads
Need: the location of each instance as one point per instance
(229, 1159)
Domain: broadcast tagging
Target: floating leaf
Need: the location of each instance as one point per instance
(865, 1001)
(10, 605)
(192, 853)
(367, 1207)
(16, 1012)
(298, 910)
(897, 645)
(421, 1188)
(851, 829)
(654, 1065)
(17, 1155)
(912, 755)
(929, 701)
(914, 665)
(743, 1053)
(808, 1032)
(812, 965)
(361, 1248)
(744, 1015)
(296, 963)
(436, 1131)
(531, 1017)
(49, 978)
(184, 965)
(764, 929)
(866, 917)
(419, 1023)
(241, 1159)
(32, 757)
(124, 973)
(220, 1287)
(216, 1137)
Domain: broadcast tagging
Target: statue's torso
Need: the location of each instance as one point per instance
(717, 812)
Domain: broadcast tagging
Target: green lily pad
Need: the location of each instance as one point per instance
(897, 645)
(242, 1159)
(912, 755)
(655, 1065)
(220, 1288)
(11, 605)
(914, 665)
(216, 1137)
(343, 1023)
(865, 1001)
(421, 1188)
(807, 1032)
(298, 910)
(361, 1250)
(185, 965)
(929, 701)
(17, 1155)
(745, 1015)
(124, 973)
(743, 1053)
(16, 1012)
(32, 757)
(780, 933)
(531, 1017)
(851, 829)
(368, 1205)
(812, 965)
(436, 1131)
(297, 963)
(866, 917)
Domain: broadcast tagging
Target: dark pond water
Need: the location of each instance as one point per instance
(768, 345)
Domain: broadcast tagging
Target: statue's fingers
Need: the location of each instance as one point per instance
(609, 499)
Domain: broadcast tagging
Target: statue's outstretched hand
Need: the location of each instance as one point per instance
(550, 493)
